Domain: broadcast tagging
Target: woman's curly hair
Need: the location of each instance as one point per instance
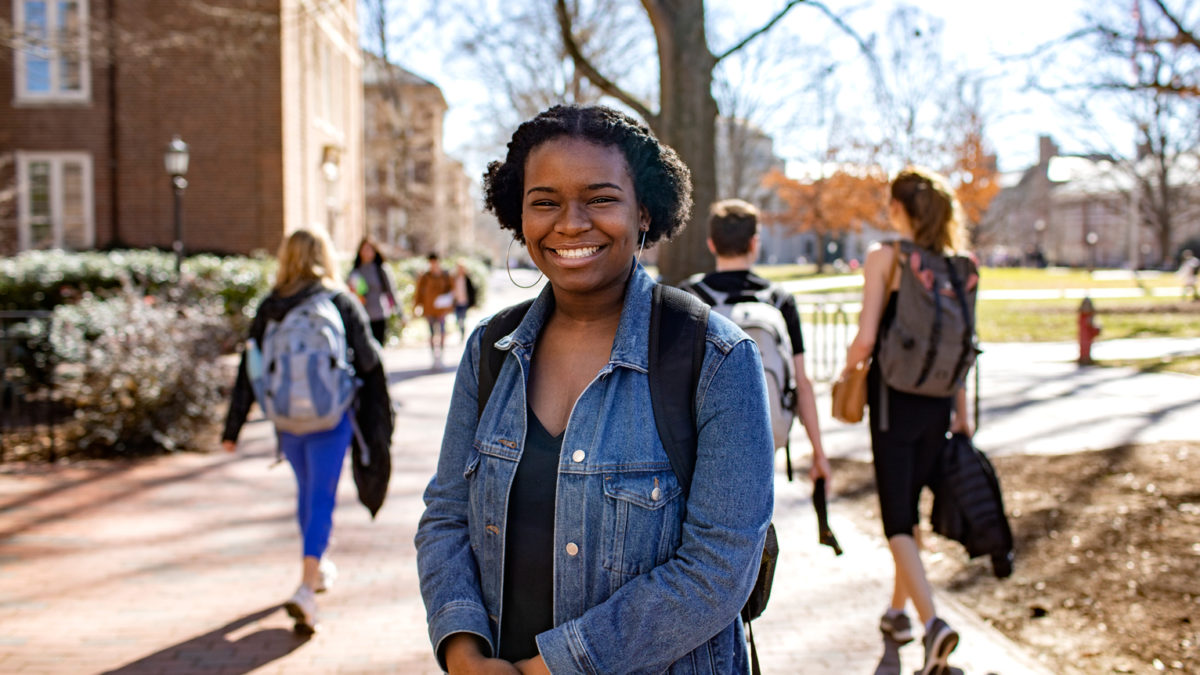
(661, 180)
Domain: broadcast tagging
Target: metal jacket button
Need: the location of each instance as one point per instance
(655, 494)
(572, 549)
(578, 456)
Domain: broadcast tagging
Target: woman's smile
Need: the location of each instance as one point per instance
(576, 253)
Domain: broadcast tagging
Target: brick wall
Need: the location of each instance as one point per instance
(213, 73)
(74, 127)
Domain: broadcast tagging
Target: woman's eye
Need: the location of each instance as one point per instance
(603, 200)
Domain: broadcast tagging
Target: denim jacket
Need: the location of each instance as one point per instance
(643, 582)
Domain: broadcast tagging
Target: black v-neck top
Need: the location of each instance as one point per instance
(528, 607)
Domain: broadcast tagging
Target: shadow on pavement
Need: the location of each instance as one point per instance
(215, 650)
(400, 375)
(128, 490)
(889, 663)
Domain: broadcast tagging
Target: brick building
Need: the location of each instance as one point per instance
(1074, 210)
(418, 198)
(266, 93)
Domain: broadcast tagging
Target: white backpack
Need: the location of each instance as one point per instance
(304, 380)
(761, 319)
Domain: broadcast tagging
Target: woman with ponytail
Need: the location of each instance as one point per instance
(924, 211)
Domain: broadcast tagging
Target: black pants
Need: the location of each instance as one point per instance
(379, 330)
(907, 455)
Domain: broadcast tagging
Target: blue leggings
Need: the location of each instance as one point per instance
(317, 460)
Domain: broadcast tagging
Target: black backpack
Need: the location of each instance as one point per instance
(968, 505)
(678, 324)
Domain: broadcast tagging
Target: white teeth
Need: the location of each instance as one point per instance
(577, 252)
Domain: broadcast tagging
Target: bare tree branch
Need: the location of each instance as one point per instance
(1160, 87)
(762, 29)
(1185, 35)
(585, 66)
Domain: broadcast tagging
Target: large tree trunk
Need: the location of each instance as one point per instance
(687, 122)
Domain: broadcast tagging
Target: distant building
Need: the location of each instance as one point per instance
(1075, 210)
(745, 156)
(418, 198)
(266, 93)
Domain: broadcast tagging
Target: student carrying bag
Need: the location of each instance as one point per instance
(306, 383)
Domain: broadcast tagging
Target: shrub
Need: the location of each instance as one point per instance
(143, 374)
(239, 283)
(46, 279)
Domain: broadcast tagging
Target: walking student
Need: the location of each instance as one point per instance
(1189, 264)
(908, 431)
(733, 238)
(307, 292)
(557, 535)
(371, 280)
(433, 299)
(464, 298)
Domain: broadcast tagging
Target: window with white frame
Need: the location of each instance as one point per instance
(54, 200)
(51, 52)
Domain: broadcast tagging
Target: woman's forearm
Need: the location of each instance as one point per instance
(858, 351)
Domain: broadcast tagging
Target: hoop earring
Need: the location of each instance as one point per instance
(508, 267)
(641, 247)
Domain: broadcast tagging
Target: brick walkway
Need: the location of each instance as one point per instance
(178, 565)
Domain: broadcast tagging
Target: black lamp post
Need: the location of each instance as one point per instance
(1039, 229)
(176, 161)
(1092, 239)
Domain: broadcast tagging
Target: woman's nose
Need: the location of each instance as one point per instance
(574, 219)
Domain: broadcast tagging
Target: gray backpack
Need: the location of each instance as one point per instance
(761, 319)
(931, 343)
(305, 381)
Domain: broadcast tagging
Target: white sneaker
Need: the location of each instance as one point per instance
(328, 574)
(302, 607)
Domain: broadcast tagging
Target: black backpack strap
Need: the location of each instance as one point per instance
(491, 360)
(677, 318)
(968, 343)
(935, 336)
(698, 288)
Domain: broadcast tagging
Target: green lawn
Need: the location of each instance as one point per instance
(1060, 277)
(1053, 320)
(995, 278)
(789, 272)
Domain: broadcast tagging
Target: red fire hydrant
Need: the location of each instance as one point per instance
(1088, 330)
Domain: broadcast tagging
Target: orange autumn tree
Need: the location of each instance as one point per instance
(829, 205)
(974, 176)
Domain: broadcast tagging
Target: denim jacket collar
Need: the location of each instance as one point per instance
(631, 343)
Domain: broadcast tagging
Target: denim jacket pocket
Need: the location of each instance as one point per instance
(472, 465)
(641, 521)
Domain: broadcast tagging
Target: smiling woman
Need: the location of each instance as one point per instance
(556, 516)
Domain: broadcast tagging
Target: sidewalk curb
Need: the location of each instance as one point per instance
(964, 616)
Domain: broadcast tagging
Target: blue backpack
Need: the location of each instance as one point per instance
(303, 378)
